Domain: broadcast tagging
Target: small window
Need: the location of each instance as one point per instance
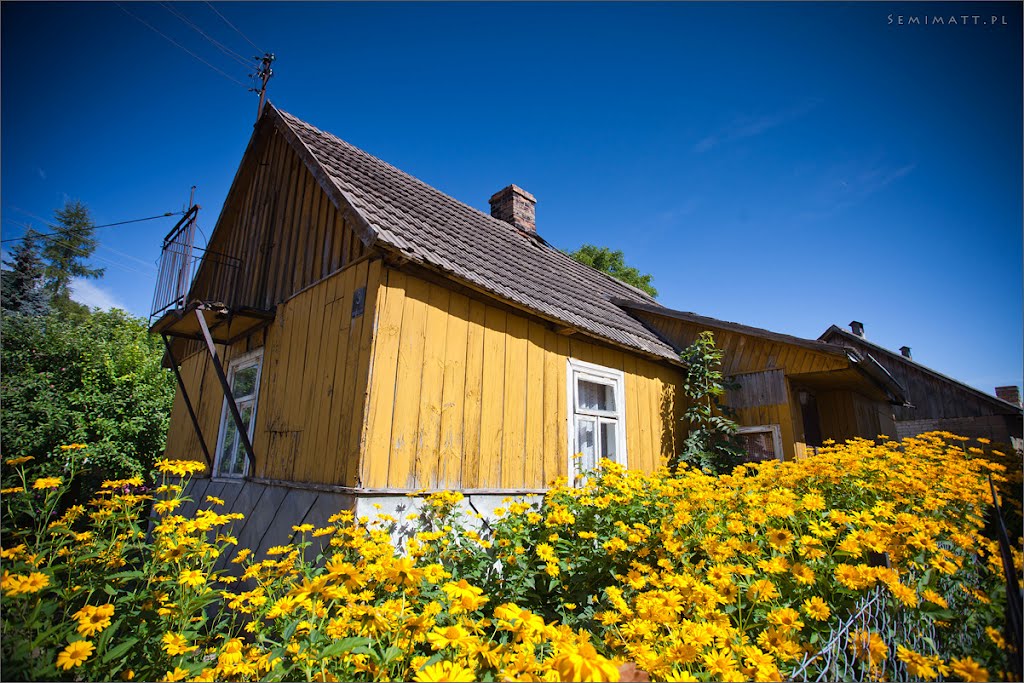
(596, 416)
(761, 443)
(244, 379)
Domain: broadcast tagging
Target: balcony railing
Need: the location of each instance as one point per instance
(179, 264)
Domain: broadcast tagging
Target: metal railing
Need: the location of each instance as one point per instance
(179, 264)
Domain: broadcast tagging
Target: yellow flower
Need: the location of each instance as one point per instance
(214, 500)
(191, 577)
(449, 636)
(445, 671)
(175, 644)
(869, 646)
(816, 608)
(780, 539)
(92, 619)
(584, 664)
(178, 674)
(75, 654)
(302, 528)
(13, 489)
(33, 583)
(19, 461)
(927, 667)
(47, 483)
(967, 669)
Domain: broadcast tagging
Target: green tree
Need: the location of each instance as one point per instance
(95, 379)
(712, 443)
(613, 263)
(21, 286)
(68, 250)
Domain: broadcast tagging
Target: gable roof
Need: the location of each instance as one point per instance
(835, 331)
(704, 321)
(422, 224)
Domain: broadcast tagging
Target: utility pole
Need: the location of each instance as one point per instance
(263, 72)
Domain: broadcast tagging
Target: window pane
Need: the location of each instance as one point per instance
(244, 383)
(230, 446)
(609, 442)
(594, 396)
(585, 443)
(759, 446)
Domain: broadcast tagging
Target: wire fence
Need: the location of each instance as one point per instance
(849, 652)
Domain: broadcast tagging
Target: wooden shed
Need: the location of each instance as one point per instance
(350, 334)
(935, 401)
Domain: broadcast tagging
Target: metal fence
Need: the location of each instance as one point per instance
(844, 656)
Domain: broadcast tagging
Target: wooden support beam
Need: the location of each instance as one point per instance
(188, 403)
(228, 395)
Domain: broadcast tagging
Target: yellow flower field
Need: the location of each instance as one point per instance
(685, 577)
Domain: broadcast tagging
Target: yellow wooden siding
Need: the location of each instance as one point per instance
(281, 225)
(312, 394)
(469, 395)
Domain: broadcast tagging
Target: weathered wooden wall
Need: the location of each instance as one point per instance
(846, 415)
(762, 368)
(282, 225)
(470, 395)
(313, 388)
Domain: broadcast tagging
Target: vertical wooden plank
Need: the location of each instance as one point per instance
(289, 190)
(291, 396)
(304, 246)
(432, 387)
(449, 471)
(534, 462)
(348, 331)
(326, 451)
(405, 426)
(554, 375)
(492, 397)
(562, 425)
(360, 403)
(648, 444)
(266, 407)
(473, 408)
(376, 454)
(315, 390)
(513, 450)
(634, 447)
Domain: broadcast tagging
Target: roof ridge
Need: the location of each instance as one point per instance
(900, 357)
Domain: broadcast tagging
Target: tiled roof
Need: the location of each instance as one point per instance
(427, 226)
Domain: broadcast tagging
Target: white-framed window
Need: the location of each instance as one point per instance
(763, 442)
(244, 380)
(597, 416)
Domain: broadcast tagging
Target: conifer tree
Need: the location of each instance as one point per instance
(68, 250)
(22, 285)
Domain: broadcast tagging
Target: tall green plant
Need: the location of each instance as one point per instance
(712, 443)
(95, 379)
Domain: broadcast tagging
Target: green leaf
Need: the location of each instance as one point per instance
(119, 650)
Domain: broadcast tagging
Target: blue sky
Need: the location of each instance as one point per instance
(783, 165)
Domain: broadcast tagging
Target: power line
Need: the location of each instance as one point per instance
(101, 246)
(79, 250)
(91, 227)
(179, 45)
(226, 50)
(256, 47)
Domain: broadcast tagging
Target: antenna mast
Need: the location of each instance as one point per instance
(263, 72)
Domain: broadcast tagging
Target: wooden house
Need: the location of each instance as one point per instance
(935, 401)
(351, 334)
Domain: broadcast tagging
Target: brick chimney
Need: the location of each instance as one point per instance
(857, 328)
(1009, 394)
(905, 350)
(516, 206)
